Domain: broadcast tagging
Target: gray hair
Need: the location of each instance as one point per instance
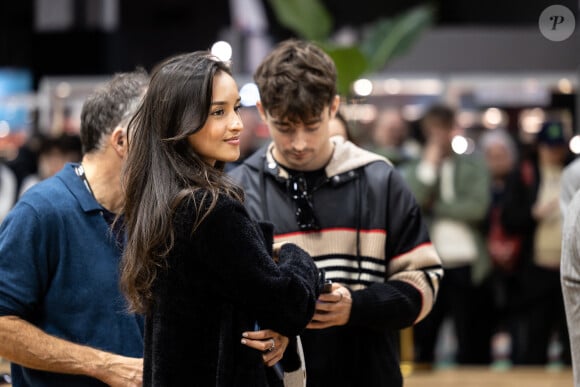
(110, 106)
(499, 136)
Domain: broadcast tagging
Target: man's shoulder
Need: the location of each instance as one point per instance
(472, 163)
(50, 187)
(50, 195)
(250, 166)
(574, 206)
(572, 170)
(239, 169)
(349, 157)
(475, 158)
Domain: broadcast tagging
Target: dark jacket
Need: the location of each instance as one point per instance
(219, 282)
(372, 240)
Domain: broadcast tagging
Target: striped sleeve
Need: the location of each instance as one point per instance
(421, 268)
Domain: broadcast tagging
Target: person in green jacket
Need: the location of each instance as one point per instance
(453, 192)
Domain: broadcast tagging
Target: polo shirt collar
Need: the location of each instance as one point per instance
(76, 186)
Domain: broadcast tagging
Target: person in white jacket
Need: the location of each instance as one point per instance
(570, 261)
(570, 276)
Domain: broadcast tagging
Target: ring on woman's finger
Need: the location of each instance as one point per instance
(273, 347)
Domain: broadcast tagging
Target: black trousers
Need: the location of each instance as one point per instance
(542, 315)
(461, 301)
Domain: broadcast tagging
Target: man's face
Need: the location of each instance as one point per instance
(303, 146)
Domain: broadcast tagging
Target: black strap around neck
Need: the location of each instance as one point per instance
(80, 171)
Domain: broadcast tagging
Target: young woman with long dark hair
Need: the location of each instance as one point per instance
(195, 264)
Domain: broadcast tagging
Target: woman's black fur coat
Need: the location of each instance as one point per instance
(219, 282)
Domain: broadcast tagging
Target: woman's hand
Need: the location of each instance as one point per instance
(270, 343)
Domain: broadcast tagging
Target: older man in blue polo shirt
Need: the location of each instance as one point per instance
(63, 319)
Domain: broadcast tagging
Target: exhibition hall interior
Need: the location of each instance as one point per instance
(509, 66)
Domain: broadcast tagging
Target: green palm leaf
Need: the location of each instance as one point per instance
(388, 38)
(307, 18)
(383, 40)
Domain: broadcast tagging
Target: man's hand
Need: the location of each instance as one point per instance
(332, 309)
(121, 371)
(270, 343)
(27, 345)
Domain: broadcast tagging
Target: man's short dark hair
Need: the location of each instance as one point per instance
(109, 106)
(297, 80)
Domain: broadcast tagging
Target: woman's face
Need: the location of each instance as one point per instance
(219, 137)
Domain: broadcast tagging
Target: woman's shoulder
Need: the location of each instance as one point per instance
(202, 200)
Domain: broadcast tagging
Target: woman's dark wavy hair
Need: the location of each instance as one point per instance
(162, 170)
